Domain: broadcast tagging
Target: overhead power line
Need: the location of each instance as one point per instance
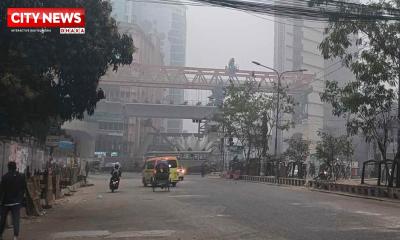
(170, 2)
(310, 9)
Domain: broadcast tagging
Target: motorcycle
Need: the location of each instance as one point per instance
(114, 182)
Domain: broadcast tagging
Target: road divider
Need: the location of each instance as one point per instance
(361, 190)
(274, 180)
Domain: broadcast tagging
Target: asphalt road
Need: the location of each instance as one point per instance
(211, 208)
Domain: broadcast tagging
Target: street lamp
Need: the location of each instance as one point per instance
(277, 102)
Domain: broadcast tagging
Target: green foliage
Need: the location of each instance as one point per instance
(298, 150)
(333, 152)
(51, 77)
(249, 115)
(370, 50)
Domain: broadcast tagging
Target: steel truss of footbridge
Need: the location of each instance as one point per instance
(201, 78)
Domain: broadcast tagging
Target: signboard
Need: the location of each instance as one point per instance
(114, 154)
(66, 145)
(52, 141)
(100, 154)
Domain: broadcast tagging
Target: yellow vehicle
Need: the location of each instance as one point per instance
(149, 171)
(181, 173)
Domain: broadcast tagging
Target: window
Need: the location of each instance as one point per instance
(150, 165)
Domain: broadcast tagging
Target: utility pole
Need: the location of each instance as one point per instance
(279, 76)
(349, 160)
(398, 140)
(396, 162)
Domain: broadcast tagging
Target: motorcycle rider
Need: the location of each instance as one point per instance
(116, 172)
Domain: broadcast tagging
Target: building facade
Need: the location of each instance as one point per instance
(169, 22)
(119, 137)
(297, 47)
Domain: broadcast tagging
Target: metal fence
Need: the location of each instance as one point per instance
(274, 180)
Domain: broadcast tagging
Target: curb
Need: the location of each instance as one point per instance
(323, 191)
(69, 190)
(263, 183)
(355, 196)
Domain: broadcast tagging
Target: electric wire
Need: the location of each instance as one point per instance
(302, 9)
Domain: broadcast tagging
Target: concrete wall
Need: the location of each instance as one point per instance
(24, 154)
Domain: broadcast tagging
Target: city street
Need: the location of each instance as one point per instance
(212, 208)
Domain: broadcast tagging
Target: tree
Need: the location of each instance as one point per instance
(368, 101)
(298, 151)
(51, 78)
(249, 116)
(333, 153)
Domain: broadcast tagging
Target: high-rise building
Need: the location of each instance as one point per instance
(169, 21)
(297, 47)
(118, 137)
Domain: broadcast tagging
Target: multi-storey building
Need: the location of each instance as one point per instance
(297, 47)
(119, 137)
(169, 21)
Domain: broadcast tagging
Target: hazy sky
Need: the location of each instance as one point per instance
(214, 35)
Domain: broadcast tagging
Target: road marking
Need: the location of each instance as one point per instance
(80, 234)
(183, 196)
(151, 233)
(295, 204)
(368, 213)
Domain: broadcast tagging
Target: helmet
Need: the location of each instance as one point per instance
(116, 165)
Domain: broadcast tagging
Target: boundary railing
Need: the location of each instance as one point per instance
(274, 180)
(362, 189)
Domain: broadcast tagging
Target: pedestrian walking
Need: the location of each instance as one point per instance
(203, 170)
(87, 169)
(12, 190)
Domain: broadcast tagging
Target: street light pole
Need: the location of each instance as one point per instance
(277, 115)
(279, 75)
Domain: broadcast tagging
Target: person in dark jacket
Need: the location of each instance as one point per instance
(115, 172)
(12, 189)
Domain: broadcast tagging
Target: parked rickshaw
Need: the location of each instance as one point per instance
(161, 176)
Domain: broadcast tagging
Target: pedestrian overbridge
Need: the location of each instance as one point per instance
(200, 78)
(148, 110)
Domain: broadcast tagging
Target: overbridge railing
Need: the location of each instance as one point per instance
(199, 78)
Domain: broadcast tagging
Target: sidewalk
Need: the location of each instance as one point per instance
(74, 195)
